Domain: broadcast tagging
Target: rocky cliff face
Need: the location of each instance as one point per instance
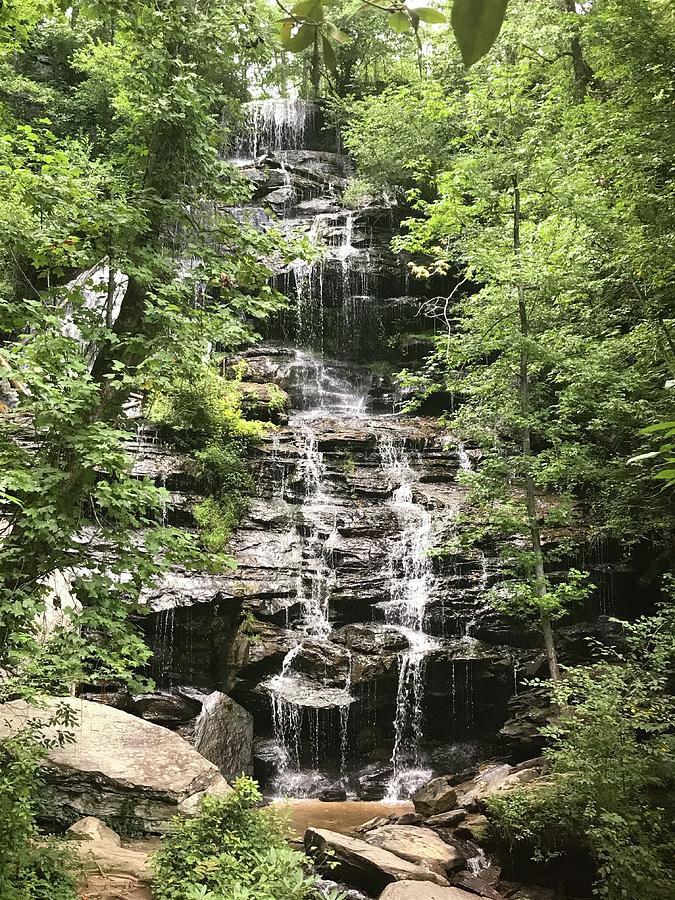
(368, 661)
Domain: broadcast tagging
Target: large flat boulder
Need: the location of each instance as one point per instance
(117, 767)
(365, 866)
(413, 890)
(421, 846)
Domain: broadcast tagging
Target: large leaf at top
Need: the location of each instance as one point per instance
(300, 41)
(477, 24)
(309, 10)
(399, 22)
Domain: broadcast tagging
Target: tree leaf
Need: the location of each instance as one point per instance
(430, 15)
(476, 24)
(335, 34)
(328, 54)
(309, 10)
(300, 41)
(399, 22)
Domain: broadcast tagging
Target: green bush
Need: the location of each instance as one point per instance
(30, 868)
(232, 850)
(610, 796)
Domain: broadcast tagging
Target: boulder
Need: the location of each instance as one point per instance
(434, 797)
(92, 829)
(377, 822)
(445, 820)
(165, 708)
(224, 735)
(476, 885)
(413, 890)
(365, 866)
(102, 856)
(418, 845)
(117, 766)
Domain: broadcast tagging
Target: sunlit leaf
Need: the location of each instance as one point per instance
(476, 24)
(335, 34)
(399, 22)
(300, 41)
(430, 15)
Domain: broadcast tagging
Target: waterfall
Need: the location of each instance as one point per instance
(410, 577)
(274, 125)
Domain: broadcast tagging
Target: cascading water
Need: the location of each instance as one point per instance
(346, 308)
(409, 575)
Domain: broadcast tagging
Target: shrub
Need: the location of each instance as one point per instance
(29, 870)
(610, 796)
(233, 850)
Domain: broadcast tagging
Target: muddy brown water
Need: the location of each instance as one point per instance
(343, 817)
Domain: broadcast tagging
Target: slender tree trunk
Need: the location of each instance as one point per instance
(530, 495)
(316, 70)
(583, 74)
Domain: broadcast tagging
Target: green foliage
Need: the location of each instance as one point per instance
(611, 790)
(232, 849)
(30, 868)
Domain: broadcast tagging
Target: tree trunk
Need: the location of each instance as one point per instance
(530, 495)
(583, 74)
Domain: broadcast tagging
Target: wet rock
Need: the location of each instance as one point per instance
(413, 890)
(418, 845)
(334, 794)
(266, 402)
(118, 699)
(446, 820)
(529, 712)
(166, 708)
(324, 661)
(512, 890)
(476, 885)
(224, 735)
(117, 766)
(436, 796)
(372, 782)
(371, 638)
(365, 866)
(410, 819)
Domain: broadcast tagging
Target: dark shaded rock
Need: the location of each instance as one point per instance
(476, 885)
(529, 711)
(117, 699)
(513, 890)
(446, 820)
(578, 643)
(166, 708)
(224, 735)
(436, 796)
(334, 794)
(410, 819)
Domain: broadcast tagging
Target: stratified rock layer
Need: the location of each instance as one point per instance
(118, 766)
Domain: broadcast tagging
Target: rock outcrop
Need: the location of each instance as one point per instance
(117, 766)
(224, 735)
(413, 890)
(418, 845)
(367, 867)
(99, 850)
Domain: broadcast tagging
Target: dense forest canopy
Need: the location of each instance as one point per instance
(536, 187)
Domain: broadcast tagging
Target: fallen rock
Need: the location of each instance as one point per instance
(434, 797)
(224, 735)
(102, 856)
(377, 822)
(165, 708)
(413, 890)
(418, 845)
(118, 766)
(365, 866)
(410, 819)
(445, 820)
(92, 829)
